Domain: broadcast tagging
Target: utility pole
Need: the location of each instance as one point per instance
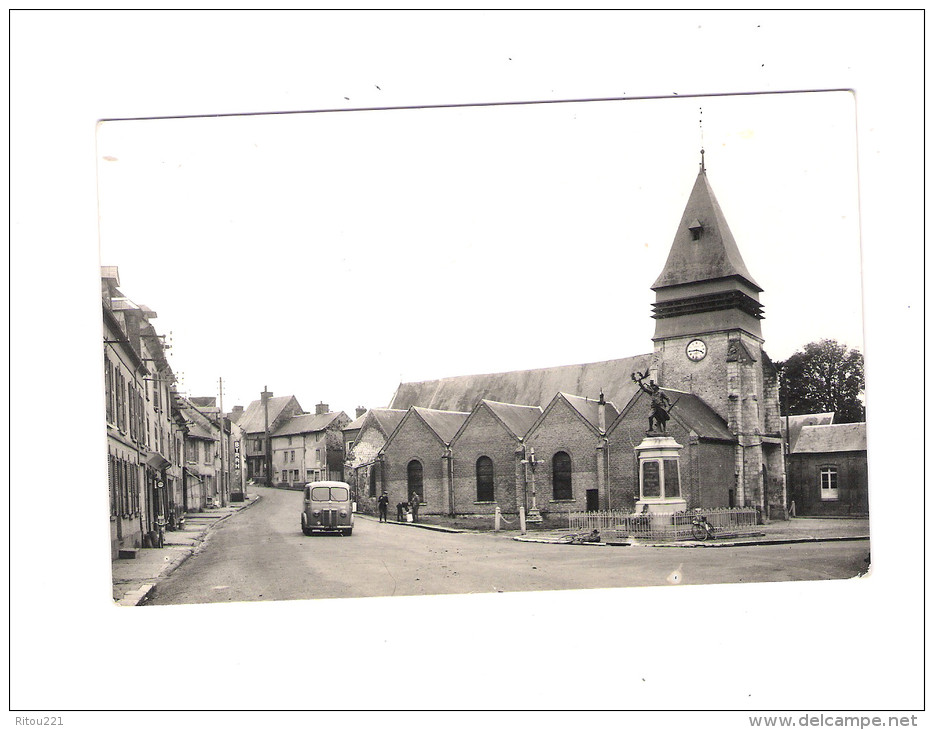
(267, 455)
(224, 480)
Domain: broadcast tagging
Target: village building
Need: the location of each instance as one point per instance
(309, 447)
(487, 454)
(828, 470)
(142, 468)
(254, 421)
(707, 359)
(416, 459)
(363, 439)
(202, 457)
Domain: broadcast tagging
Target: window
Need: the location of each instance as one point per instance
(258, 446)
(293, 457)
(108, 389)
(561, 476)
(828, 482)
(484, 479)
(372, 474)
(415, 483)
(290, 440)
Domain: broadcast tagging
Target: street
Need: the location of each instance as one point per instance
(260, 554)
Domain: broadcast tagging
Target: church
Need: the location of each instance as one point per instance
(563, 439)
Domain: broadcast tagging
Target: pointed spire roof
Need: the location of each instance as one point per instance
(703, 248)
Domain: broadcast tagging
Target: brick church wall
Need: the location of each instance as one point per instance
(414, 440)
(484, 435)
(563, 430)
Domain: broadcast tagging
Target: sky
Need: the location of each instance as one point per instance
(446, 242)
(332, 255)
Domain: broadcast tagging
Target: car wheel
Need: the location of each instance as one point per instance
(348, 532)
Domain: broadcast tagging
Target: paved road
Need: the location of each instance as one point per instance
(260, 554)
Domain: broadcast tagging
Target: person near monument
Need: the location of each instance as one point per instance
(414, 502)
(383, 504)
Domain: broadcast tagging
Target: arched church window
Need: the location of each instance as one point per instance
(561, 476)
(484, 479)
(415, 483)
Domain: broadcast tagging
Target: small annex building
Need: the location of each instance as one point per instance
(828, 470)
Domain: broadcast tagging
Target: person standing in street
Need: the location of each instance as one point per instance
(400, 511)
(383, 507)
(414, 501)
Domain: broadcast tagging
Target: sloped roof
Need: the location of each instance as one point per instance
(253, 421)
(694, 414)
(306, 423)
(796, 423)
(198, 424)
(525, 387)
(386, 419)
(590, 409)
(518, 419)
(208, 401)
(715, 255)
(444, 423)
(831, 438)
(691, 412)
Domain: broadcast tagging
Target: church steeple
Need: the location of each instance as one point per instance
(705, 284)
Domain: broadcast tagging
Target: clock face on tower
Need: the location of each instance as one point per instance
(696, 350)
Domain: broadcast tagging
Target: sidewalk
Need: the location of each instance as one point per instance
(779, 532)
(134, 578)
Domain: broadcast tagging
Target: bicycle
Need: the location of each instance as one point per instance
(701, 529)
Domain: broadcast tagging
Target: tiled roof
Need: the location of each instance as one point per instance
(691, 412)
(518, 419)
(525, 387)
(386, 418)
(832, 438)
(306, 423)
(443, 423)
(796, 423)
(253, 420)
(715, 255)
(590, 410)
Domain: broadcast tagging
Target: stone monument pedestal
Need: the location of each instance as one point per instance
(659, 475)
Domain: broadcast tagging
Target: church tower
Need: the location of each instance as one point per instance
(708, 341)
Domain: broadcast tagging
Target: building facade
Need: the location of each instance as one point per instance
(309, 448)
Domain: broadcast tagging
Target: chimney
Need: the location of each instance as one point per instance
(360, 411)
(321, 409)
(601, 413)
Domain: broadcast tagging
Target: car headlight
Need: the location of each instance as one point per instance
(343, 513)
(316, 512)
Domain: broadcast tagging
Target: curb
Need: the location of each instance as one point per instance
(420, 525)
(695, 544)
(138, 595)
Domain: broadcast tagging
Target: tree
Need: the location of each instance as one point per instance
(824, 376)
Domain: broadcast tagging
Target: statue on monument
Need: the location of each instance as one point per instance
(661, 405)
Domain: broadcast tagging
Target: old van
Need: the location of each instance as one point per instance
(327, 508)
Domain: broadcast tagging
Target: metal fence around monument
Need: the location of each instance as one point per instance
(726, 522)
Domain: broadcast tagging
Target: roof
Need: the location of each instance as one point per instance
(307, 423)
(385, 419)
(796, 423)
(525, 387)
(517, 419)
(253, 420)
(691, 412)
(832, 438)
(590, 410)
(444, 423)
(715, 255)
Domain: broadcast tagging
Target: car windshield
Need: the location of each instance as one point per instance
(334, 494)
